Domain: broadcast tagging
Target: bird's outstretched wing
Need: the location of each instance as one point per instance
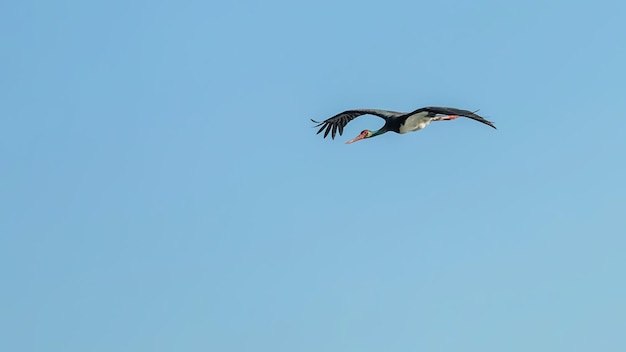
(436, 110)
(339, 121)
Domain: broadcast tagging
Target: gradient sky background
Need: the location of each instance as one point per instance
(163, 190)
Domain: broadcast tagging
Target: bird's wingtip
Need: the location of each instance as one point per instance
(318, 124)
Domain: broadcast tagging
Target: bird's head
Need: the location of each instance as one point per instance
(364, 134)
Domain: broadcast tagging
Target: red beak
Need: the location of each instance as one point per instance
(357, 138)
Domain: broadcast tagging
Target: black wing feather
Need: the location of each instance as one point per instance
(339, 121)
(437, 110)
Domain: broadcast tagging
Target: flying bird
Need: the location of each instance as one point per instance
(398, 122)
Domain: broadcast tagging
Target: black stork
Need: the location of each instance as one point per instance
(399, 122)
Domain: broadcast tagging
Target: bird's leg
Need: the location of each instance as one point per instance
(446, 117)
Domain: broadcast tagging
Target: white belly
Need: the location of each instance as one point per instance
(415, 123)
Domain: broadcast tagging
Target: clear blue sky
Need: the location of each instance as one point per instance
(163, 190)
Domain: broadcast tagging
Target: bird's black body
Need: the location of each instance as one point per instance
(394, 121)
